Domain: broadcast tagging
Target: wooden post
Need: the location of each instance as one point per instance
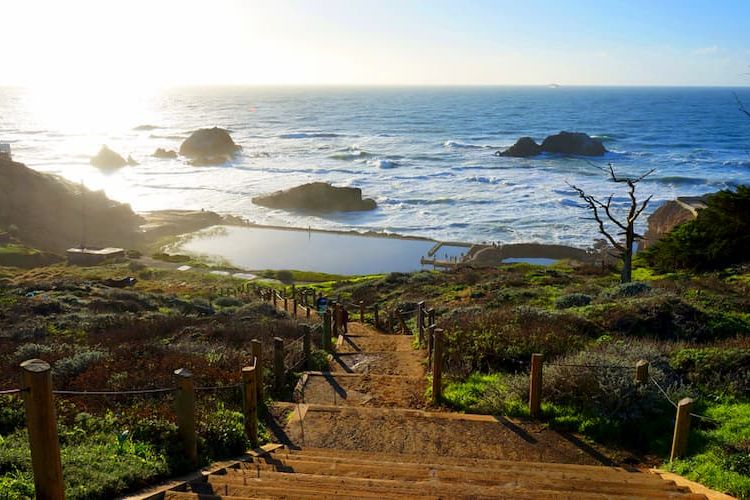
(41, 421)
(376, 316)
(294, 306)
(361, 311)
(431, 317)
(641, 372)
(681, 429)
(257, 351)
(336, 319)
(437, 367)
(286, 303)
(535, 385)
(307, 345)
(327, 331)
(250, 404)
(278, 364)
(185, 408)
(420, 322)
(307, 312)
(430, 343)
(273, 295)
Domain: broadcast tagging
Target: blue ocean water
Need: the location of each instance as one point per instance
(425, 154)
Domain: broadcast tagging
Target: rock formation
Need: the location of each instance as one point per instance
(523, 148)
(566, 143)
(164, 154)
(670, 214)
(318, 197)
(209, 146)
(108, 159)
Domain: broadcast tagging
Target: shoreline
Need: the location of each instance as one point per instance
(178, 224)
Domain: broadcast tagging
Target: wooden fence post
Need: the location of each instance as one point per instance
(327, 331)
(437, 367)
(431, 317)
(535, 385)
(307, 345)
(273, 296)
(681, 429)
(250, 404)
(41, 422)
(376, 316)
(257, 352)
(286, 303)
(361, 311)
(420, 322)
(307, 312)
(641, 372)
(185, 409)
(278, 364)
(294, 306)
(430, 343)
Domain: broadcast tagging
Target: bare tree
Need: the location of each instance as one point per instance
(626, 237)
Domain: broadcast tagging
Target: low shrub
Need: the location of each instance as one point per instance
(228, 302)
(573, 300)
(715, 370)
(632, 289)
(223, 434)
(31, 351)
(489, 340)
(70, 367)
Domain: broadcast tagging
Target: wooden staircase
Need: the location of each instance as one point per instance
(326, 473)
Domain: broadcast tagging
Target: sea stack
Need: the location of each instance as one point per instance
(318, 197)
(209, 146)
(564, 143)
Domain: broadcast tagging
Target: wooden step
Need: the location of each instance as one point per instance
(413, 471)
(367, 457)
(435, 487)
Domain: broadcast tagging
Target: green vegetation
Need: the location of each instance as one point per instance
(101, 338)
(717, 238)
(694, 330)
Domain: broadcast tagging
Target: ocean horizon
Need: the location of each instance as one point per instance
(424, 153)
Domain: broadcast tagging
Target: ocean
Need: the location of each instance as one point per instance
(424, 154)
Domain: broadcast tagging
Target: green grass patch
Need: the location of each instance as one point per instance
(467, 395)
(720, 453)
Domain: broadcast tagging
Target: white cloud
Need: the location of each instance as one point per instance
(706, 51)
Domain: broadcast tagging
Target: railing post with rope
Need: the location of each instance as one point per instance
(185, 410)
(430, 343)
(535, 385)
(278, 364)
(437, 367)
(681, 429)
(420, 322)
(361, 311)
(250, 403)
(307, 345)
(286, 303)
(376, 316)
(36, 383)
(327, 331)
(641, 372)
(273, 297)
(257, 352)
(294, 306)
(307, 311)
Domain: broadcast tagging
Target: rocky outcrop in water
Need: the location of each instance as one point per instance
(209, 146)
(164, 154)
(108, 159)
(565, 143)
(523, 148)
(318, 197)
(669, 215)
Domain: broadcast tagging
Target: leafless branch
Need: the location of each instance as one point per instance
(741, 104)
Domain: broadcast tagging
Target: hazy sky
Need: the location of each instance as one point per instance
(162, 42)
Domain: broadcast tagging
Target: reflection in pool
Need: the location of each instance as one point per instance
(268, 248)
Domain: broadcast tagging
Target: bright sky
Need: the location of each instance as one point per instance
(126, 43)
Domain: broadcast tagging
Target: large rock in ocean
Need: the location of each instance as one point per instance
(523, 148)
(565, 143)
(108, 159)
(318, 197)
(209, 146)
(573, 143)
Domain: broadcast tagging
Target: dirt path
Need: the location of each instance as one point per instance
(373, 399)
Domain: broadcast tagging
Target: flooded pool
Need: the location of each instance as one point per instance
(259, 248)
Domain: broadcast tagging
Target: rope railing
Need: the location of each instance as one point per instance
(6, 392)
(602, 367)
(134, 392)
(218, 387)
